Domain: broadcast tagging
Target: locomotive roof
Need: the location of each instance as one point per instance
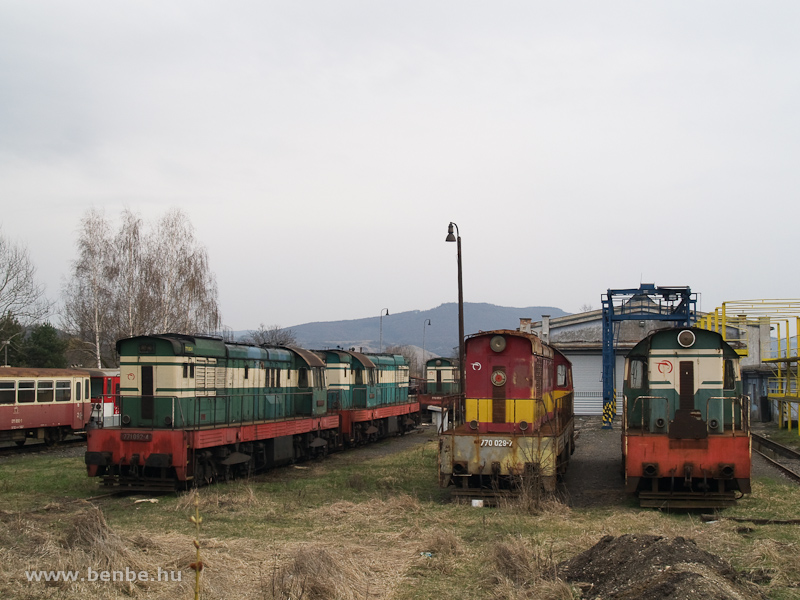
(668, 339)
(216, 347)
(534, 339)
(209, 346)
(362, 358)
(312, 359)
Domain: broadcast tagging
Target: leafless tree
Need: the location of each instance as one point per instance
(136, 283)
(274, 335)
(179, 277)
(88, 295)
(21, 297)
(586, 307)
(128, 266)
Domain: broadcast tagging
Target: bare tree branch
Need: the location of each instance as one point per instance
(274, 335)
(21, 296)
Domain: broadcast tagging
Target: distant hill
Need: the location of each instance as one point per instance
(406, 328)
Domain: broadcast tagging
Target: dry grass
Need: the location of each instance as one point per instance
(522, 570)
(319, 533)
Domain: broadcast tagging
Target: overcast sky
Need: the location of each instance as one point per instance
(320, 148)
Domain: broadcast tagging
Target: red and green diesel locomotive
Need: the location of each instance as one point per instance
(195, 409)
(685, 423)
(519, 420)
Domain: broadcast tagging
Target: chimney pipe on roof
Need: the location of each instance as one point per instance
(525, 325)
(546, 329)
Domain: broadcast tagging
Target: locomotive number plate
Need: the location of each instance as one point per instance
(497, 443)
(131, 436)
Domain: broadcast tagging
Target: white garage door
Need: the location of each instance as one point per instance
(587, 375)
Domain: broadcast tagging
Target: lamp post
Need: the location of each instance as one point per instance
(380, 347)
(457, 238)
(425, 323)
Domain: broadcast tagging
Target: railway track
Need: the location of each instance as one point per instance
(38, 447)
(784, 459)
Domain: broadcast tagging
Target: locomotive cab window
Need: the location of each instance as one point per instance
(561, 376)
(8, 393)
(319, 378)
(729, 375)
(637, 374)
(302, 377)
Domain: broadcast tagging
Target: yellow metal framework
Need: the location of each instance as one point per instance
(731, 321)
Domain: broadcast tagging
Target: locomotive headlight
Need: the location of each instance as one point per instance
(686, 338)
(473, 424)
(497, 343)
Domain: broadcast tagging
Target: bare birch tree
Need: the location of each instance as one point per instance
(88, 296)
(127, 269)
(136, 283)
(22, 298)
(179, 275)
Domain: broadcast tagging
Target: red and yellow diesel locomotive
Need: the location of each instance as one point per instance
(519, 418)
(686, 423)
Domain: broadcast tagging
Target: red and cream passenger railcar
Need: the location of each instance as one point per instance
(43, 404)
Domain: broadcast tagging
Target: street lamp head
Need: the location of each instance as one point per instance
(450, 237)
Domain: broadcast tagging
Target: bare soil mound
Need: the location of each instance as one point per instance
(650, 567)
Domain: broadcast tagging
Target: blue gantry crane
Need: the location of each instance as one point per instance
(648, 302)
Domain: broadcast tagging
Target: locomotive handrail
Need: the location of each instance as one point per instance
(734, 400)
(669, 411)
(248, 408)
